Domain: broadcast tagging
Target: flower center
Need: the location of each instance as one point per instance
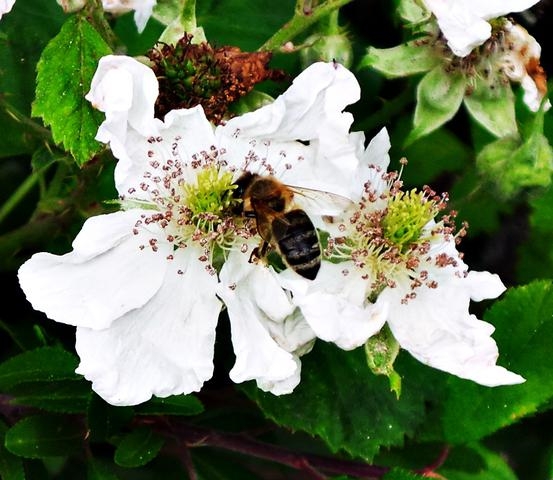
(191, 200)
(407, 213)
(210, 198)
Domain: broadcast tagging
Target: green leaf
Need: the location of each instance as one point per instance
(40, 365)
(401, 474)
(61, 397)
(401, 61)
(536, 254)
(23, 35)
(342, 402)
(65, 71)
(45, 436)
(439, 95)
(138, 448)
(11, 467)
(524, 322)
(104, 420)
(244, 24)
(174, 405)
(513, 166)
(493, 108)
(490, 465)
(99, 471)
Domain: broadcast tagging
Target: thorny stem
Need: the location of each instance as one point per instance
(192, 436)
(311, 464)
(303, 18)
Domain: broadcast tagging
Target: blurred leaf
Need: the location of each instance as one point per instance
(138, 448)
(45, 436)
(493, 108)
(173, 405)
(493, 466)
(23, 35)
(11, 467)
(401, 61)
(513, 166)
(213, 464)
(42, 364)
(342, 402)
(65, 71)
(439, 96)
(60, 397)
(430, 156)
(536, 254)
(412, 12)
(524, 322)
(99, 471)
(244, 24)
(105, 420)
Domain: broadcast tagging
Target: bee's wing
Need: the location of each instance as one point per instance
(319, 202)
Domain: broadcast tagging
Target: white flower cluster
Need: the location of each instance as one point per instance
(145, 286)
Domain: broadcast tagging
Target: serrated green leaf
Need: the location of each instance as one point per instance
(138, 448)
(493, 108)
(43, 436)
(11, 467)
(174, 405)
(401, 474)
(524, 322)
(401, 61)
(40, 365)
(439, 95)
(343, 403)
(493, 466)
(65, 71)
(60, 397)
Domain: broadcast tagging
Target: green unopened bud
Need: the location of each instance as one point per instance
(336, 47)
(381, 351)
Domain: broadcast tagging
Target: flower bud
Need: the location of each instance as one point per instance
(327, 48)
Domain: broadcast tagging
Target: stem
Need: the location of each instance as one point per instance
(19, 194)
(301, 21)
(311, 464)
(34, 127)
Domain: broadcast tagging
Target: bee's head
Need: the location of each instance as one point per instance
(242, 184)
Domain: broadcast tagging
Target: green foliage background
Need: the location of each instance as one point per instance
(341, 422)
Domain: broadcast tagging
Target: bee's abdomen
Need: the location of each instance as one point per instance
(298, 243)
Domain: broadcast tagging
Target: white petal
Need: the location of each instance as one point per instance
(258, 356)
(437, 329)
(163, 348)
(463, 28)
(484, 285)
(282, 387)
(122, 84)
(311, 111)
(6, 6)
(497, 8)
(104, 277)
(184, 133)
(335, 305)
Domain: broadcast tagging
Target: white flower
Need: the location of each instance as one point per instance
(464, 22)
(6, 6)
(142, 8)
(521, 63)
(141, 285)
(402, 268)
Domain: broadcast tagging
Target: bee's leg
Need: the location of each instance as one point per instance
(259, 252)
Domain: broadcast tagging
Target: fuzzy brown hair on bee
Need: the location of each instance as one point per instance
(282, 226)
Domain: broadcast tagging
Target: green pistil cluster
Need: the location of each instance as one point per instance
(406, 216)
(210, 198)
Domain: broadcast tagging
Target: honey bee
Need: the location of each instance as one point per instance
(282, 226)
